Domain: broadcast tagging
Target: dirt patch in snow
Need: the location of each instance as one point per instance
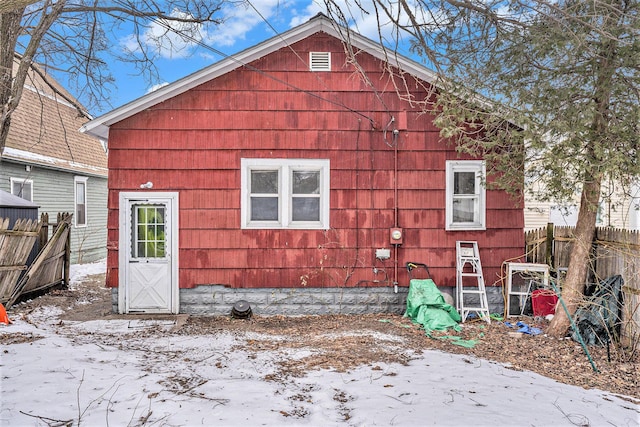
(343, 342)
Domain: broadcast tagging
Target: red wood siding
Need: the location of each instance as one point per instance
(193, 144)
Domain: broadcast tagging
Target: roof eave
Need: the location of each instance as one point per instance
(15, 156)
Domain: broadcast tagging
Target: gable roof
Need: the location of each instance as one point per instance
(45, 131)
(99, 127)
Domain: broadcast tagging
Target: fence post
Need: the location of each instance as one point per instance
(549, 248)
(67, 250)
(44, 230)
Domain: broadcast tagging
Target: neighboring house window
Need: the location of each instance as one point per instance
(466, 206)
(285, 193)
(320, 61)
(81, 201)
(22, 188)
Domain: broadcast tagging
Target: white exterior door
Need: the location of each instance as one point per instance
(148, 262)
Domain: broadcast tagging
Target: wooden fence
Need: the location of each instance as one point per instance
(51, 265)
(15, 247)
(63, 219)
(614, 251)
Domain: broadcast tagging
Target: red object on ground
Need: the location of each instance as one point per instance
(543, 302)
(3, 316)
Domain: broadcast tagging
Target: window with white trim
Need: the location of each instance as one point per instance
(466, 195)
(22, 188)
(285, 193)
(80, 216)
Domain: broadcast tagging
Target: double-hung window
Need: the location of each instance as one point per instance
(80, 201)
(466, 195)
(22, 188)
(285, 193)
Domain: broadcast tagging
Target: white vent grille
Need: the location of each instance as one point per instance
(320, 61)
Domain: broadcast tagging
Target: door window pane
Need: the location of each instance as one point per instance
(149, 238)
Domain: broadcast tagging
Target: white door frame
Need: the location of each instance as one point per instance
(124, 240)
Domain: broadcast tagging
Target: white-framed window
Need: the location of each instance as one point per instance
(285, 193)
(320, 61)
(22, 188)
(466, 195)
(80, 183)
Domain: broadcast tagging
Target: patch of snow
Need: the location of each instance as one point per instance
(127, 372)
(98, 373)
(78, 272)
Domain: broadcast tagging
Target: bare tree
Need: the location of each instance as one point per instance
(75, 37)
(563, 80)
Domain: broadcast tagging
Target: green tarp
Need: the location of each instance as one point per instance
(426, 306)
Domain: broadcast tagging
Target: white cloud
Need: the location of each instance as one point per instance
(156, 87)
(239, 19)
(242, 18)
(361, 17)
(307, 12)
(174, 39)
(168, 39)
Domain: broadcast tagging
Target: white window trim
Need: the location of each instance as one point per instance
(479, 167)
(285, 166)
(84, 180)
(21, 181)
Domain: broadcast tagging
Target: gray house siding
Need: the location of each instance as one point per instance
(53, 192)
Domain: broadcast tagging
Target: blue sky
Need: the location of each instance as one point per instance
(246, 24)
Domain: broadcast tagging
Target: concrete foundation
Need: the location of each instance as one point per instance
(218, 300)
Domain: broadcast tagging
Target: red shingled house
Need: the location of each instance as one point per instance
(279, 176)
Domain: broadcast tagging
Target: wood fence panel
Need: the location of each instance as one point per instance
(631, 294)
(15, 247)
(614, 251)
(50, 266)
(536, 242)
(618, 252)
(562, 245)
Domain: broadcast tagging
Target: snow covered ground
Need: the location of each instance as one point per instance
(121, 372)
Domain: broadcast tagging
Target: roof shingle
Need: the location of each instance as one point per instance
(45, 130)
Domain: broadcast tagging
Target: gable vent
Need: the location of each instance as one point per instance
(320, 61)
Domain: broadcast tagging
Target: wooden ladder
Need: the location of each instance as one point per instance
(468, 265)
